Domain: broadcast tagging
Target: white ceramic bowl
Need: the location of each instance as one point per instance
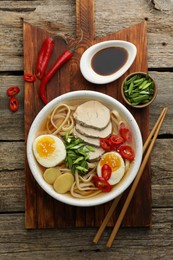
(109, 102)
(86, 64)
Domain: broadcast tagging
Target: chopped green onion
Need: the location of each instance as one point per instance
(77, 154)
(139, 89)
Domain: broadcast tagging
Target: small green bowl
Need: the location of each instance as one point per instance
(139, 89)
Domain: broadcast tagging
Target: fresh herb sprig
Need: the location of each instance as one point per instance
(77, 154)
(139, 89)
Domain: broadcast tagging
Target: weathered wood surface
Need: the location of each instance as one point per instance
(15, 241)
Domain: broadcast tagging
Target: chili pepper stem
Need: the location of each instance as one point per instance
(61, 37)
(76, 45)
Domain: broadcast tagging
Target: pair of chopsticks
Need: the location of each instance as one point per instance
(149, 143)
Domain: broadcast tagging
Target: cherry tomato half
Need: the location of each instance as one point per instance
(13, 104)
(106, 171)
(101, 184)
(116, 140)
(12, 91)
(105, 144)
(126, 152)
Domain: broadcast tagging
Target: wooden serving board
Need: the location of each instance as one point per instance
(42, 211)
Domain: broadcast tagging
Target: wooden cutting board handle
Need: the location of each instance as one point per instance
(85, 18)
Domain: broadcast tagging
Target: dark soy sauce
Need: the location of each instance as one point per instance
(109, 60)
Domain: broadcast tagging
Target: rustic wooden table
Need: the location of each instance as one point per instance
(16, 242)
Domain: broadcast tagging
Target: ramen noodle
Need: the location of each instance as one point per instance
(96, 155)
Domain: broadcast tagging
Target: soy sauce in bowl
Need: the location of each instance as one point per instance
(109, 60)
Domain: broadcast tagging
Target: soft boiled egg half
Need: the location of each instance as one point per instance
(49, 150)
(116, 162)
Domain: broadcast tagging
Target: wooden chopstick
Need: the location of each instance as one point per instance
(135, 183)
(116, 200)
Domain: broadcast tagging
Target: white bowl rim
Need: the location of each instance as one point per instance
(86, 94)
(85, 61)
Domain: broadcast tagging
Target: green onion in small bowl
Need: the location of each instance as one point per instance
(139, 89)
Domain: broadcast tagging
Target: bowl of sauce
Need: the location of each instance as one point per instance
(106, 61)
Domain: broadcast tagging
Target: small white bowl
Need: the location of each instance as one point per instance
(110, 103)
(86, 66)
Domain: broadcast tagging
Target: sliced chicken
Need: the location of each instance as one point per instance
(89, 140)
(91, 132)
(96, 155)
(92, 114)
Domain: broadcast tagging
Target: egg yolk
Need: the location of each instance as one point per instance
(112, 160)
(45, 146)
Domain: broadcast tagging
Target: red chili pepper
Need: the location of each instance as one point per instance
(29, 77)
(65, 56)
(105, 144)
(44, 56)
(12, 91)
(101, 183)
(126, 152)
(13, 104)
(106, 171)
(116, 140)
(125, 133)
